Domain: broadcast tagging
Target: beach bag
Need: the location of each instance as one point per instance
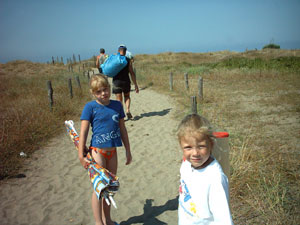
(113, 65)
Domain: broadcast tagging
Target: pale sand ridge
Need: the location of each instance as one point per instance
(57, 189)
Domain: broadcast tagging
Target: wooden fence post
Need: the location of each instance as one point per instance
(50, 93)
(186, 79)
(78, 82)
(74, 58)
(194, 104)
(79, 58)
(70, 87)
(171, 81)
(200, 88)
(95, 59)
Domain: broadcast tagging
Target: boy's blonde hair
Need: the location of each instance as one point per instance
(194, 125)
(98, 81)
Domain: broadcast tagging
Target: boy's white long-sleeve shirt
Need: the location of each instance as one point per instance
(203, 197)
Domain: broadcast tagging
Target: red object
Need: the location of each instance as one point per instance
(221, 134)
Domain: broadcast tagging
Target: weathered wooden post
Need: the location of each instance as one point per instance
(171, 81)
(194, 104)
(74, 58)
(186, 79)
(88, 76)
(95, 59)
(79, 58)
(53, 60)
(78, 82)
(70, 87)
(50, 93)
(200, 88)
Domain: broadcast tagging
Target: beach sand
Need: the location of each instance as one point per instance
(57, 190)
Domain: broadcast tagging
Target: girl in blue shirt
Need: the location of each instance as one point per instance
(106, 118)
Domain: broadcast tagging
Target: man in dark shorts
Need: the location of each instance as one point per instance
(122, 84)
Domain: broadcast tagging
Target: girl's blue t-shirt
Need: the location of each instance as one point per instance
(104, 120)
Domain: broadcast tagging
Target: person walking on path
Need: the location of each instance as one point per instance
(121, 82)
(101, 59)
(203, 191)
(106, 117)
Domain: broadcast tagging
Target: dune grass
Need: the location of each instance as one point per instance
(253, 95)
(25, 115)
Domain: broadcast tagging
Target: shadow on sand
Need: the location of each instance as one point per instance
(149, 114)
(150, 212)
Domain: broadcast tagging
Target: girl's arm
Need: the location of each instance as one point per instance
(84, 130)
(125, 140)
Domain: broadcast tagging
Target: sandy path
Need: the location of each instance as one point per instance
(57, 191)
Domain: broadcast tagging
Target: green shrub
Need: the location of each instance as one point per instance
(273, 46)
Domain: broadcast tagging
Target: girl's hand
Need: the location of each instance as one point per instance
(128, 158)
(84, 162)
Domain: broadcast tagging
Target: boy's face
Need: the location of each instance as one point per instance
(196, 150)
(102, 95)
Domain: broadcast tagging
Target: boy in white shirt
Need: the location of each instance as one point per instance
(203, 192)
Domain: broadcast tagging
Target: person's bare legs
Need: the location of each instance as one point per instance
(112, 166)
(97, 205)
(127, 101)
(97, 209)
(119, 97)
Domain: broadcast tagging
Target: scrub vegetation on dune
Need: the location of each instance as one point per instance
(253, 95)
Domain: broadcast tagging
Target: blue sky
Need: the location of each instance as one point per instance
(36, 30)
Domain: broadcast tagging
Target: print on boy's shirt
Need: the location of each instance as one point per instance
(115, 118)
(102, 138)
(187, 204)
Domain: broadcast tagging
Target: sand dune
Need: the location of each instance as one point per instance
(57, 190)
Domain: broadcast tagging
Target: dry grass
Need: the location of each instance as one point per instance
(259, 106)
(260, 109)
(25, 116)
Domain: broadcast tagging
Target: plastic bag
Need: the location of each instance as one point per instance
(113, 65)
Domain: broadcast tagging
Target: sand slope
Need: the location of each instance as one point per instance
(57, 190)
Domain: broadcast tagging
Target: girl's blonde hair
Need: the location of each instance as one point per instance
(194, 125)
(98, 81)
